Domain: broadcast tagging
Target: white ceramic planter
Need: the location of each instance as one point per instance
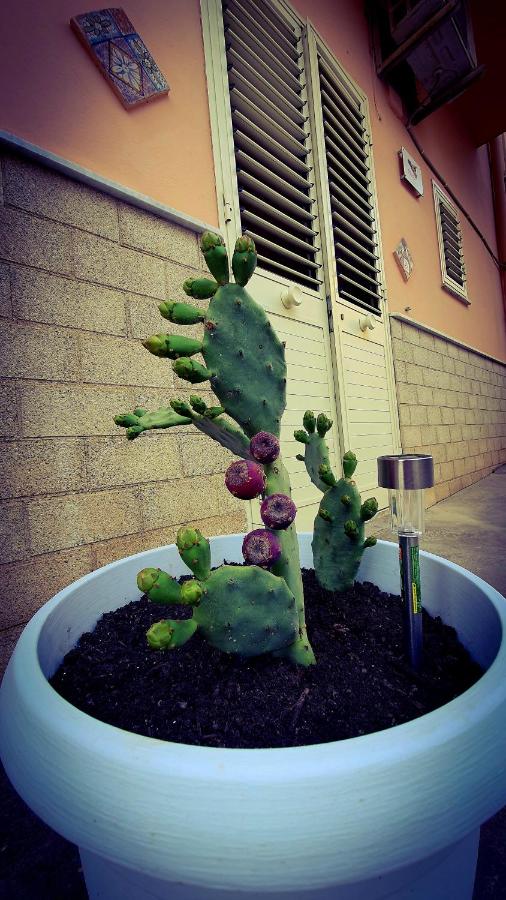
(392, 814)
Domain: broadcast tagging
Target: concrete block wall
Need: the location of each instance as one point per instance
(452, 404)
(81, 276)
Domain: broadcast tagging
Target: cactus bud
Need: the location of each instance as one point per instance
(370, 541)
(181, 313)
(349, 463)
(215, 254)
(326, 474)
(301, 436)
(278, 511)
(346, 500)
(214, 411)
(244, 260)
(191, 592)
(300, 457)
(245, 479)
(261, 548)
(368, 509)
(140, 411)
(309, 421)
(134, 431)
(194, 550)
(200, 288)
(181, 407)
(323, 424)
(190, 370)
(172, 346)
(198, 404)
(264, 447)
(169, 633)
(324, 514)
(159, 586)
(126, 419)
(350, 529)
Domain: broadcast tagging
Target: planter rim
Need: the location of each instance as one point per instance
(336, 754)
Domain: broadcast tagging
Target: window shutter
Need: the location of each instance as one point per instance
(271, 138)
(450, 244)
(350, 189)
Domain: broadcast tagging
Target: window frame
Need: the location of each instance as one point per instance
(447, 282)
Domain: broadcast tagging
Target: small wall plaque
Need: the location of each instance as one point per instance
(121, 55)
(411, 172)
(404, 259)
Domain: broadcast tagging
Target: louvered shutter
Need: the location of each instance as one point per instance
(271, 138)
(350, 190)
(450, 244)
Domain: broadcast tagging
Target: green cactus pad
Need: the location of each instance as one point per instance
(200, 288)
(244, 260)
(172, 346)
(191, 592)
(247, 361)
(181, 313)
(247, 611)
(191, 371)
(195, 551)
(215, 255)
(168, 634)
(159, 586)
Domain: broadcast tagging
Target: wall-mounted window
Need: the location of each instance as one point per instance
(451, 255)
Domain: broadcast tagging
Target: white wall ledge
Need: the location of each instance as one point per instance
(86, 176)
(446, 337)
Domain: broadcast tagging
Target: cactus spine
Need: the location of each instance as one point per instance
(250, 610)
(338, 537)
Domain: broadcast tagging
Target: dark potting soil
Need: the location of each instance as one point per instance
(199, 695)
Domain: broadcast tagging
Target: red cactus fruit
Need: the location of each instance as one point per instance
(278, 511)
(245, 479)
(264, 446)
(261, 548)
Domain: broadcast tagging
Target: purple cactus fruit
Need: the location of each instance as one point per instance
(278, 511)
(264, 446)
(261, 548)
(245, 479)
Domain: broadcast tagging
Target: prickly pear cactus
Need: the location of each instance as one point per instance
(338, 537)
(243, 610)
(244, 363)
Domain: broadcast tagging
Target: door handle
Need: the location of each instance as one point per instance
(366, 322)
(291, 297)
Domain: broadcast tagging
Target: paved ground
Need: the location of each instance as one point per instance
(468, 528)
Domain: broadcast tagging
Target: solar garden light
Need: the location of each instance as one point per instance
(406, 476)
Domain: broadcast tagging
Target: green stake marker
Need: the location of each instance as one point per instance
(406, 476)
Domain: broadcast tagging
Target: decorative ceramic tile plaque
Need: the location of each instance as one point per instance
(121, 55)
(404, 259)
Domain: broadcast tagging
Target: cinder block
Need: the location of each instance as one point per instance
(439, 452)
(419, 415)
(426, 340)
(443, 434)
(410, 334)
(116, 461)
(430, 434)
(434, 415)
(40, 297)
(406, 393)
(459, 466)
(34, 351)
(185, 500)
(448, 364)
(447, 471)
(420, 357)
(107, 263)
(31, 467)
(74, 519)
(396, 328)
(411, 436)
(430, 378)
(36, 242)
(47, 193)
(9, 421)
(27, 585)
(108, 360)
(148, 232)
(13, 537)
(203, 456)
(400, 370)
(447, 415)
(5, 292)
(405, 414)
(69, 410)
(425, 395)
(402, 350)
(456, 432)
(414, 374)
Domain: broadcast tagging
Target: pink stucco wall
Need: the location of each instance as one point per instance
(58, 100)
(53, 96)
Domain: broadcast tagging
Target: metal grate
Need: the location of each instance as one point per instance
(349, 178)
(271, 138)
